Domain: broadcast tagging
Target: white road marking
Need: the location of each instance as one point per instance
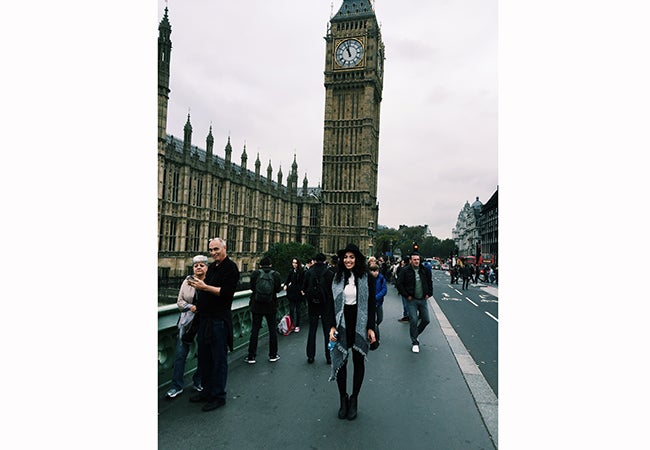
(467, 298)
(484, 299)
(491, 316)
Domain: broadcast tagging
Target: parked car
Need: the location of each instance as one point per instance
(435, 264)
(444, 266)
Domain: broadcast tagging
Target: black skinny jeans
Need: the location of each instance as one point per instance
(350, 314)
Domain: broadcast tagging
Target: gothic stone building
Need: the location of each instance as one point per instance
(202, 195)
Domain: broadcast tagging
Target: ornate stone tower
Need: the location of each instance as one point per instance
(164, 54)
(353, 91)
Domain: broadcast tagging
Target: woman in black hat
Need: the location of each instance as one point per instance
(351, 319)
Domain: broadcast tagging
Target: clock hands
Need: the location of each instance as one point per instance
(348, 49)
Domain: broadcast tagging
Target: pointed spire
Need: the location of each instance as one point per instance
(257, 165)
(187, 139)
(209, 144)
(228, 152)
(280, 176)
(210, 138)
(164, 24)
(269, 171)
(244, 159)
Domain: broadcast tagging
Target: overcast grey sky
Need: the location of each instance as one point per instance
(254, 71)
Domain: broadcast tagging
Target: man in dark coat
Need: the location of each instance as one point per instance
(315, 306)
(415, 284)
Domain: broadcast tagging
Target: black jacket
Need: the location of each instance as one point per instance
(209, 306)
(294, 284)
(406, 281)
(319, 268)
(272, 306)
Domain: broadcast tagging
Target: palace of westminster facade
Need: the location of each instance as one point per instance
(203, 195)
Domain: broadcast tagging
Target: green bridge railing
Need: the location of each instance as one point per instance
(167, 333)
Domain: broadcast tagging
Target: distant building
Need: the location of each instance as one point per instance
(478, 224)
(490, 226)
(467, 234)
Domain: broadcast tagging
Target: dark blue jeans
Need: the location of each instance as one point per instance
(415, 329)
(213, 357)
(182, 349)
(255, 331)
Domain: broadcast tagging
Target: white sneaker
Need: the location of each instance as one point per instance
(173, 392)
(416, 348)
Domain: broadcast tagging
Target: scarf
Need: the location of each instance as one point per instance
(339, 353)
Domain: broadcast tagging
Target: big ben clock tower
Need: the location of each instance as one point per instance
(353, 88)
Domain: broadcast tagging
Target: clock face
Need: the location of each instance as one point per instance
(349, 53)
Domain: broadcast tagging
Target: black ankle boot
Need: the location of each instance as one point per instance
(343, 410)
(352, 409)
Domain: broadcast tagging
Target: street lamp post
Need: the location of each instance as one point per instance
(371, 235)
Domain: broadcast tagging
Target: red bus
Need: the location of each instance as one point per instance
(469, 259)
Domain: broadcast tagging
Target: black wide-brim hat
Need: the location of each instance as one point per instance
(352, 249)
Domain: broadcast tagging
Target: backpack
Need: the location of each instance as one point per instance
(316, 283)
(265, 287)
(285, 326)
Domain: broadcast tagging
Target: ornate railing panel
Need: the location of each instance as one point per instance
(167, 333)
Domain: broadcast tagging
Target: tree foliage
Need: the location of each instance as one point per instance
(282, 254)
(391, 241)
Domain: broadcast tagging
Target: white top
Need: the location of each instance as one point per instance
(350, 291)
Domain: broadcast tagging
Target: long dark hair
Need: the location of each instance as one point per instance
(359, 269)
(298, 267)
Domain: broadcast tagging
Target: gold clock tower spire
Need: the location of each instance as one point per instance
(353, 93)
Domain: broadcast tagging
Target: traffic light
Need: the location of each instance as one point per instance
(415, 247)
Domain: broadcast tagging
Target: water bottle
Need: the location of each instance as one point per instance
(332, 344)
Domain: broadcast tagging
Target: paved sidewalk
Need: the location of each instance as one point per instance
(408, 400)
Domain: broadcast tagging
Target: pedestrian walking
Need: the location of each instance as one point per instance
(381, 289)
(265, 284)
(465, 274)
(405, 314)
(416, 285)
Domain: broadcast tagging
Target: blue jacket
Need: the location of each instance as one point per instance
(381, 289)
